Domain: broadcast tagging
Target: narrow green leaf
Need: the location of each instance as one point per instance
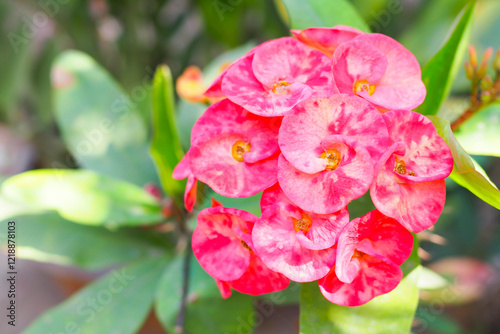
(481, 133)
(466, 172)
(440, 72)
(207, 311)
(83, 197)
(430, 27)
(166, 147)
(100, 124)
(302, 14)
(389, 313)
(116, 303)
(47, 237)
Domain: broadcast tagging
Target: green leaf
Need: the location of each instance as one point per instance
(48, 237)
(430, 280)
(100, 124)
(481, 133)
(166, 147)
(83, 197)
(116, 303)
(320, 13)
(466, 172)
(389, 313)
(440, 72)
(425, 35)
(207, 311)
(360, 206)
(291, 295)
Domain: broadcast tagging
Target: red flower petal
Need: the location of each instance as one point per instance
(329, 190)
(376, 276)
(216, 245)
(325, 39)
(275, 242)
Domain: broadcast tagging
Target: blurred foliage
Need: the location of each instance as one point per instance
(84, 197)
(207, 312)
(68, 243)
(480, 135)
(166, 148)
(317, 13)
(440, 71)
(126, 293)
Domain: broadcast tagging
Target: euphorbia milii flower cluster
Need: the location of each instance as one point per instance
(313, 122)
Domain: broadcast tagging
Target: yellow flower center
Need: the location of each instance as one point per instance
(357, 254)
(400, 168)
(239, 148)
(363, 85)
(333, 159)
(280, 87)
(304, 224)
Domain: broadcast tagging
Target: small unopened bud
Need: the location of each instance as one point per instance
(472, 56)
(469, 70)
(496, 61)
(486, 97)
(153, 190)
(486, 83)
(481, 72)
(167, 207)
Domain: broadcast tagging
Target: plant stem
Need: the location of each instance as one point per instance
(468, 113)
(179, 324)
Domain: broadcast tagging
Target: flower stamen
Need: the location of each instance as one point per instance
(239, 148)
(333, 158)
(280, 87)
(363, 85)
(304, 224)
(357, 254)
(400, 167)
(244, 244)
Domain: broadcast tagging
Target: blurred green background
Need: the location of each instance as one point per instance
(129, 39)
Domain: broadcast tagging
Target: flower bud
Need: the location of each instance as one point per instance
(486, 97)
(496, 61)
(472, 56)
(481, 72)
(469, 70)
(486, 83)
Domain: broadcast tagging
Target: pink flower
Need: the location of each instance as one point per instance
(325, 39)
(280, 74)
(328, 147)
(182, 171)
(380, 70)
(291, 241)
(257, 280)
(409, 184)
(324, 229)
(369, 252)
(233, 151)
(222, 243)
(215, 89)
